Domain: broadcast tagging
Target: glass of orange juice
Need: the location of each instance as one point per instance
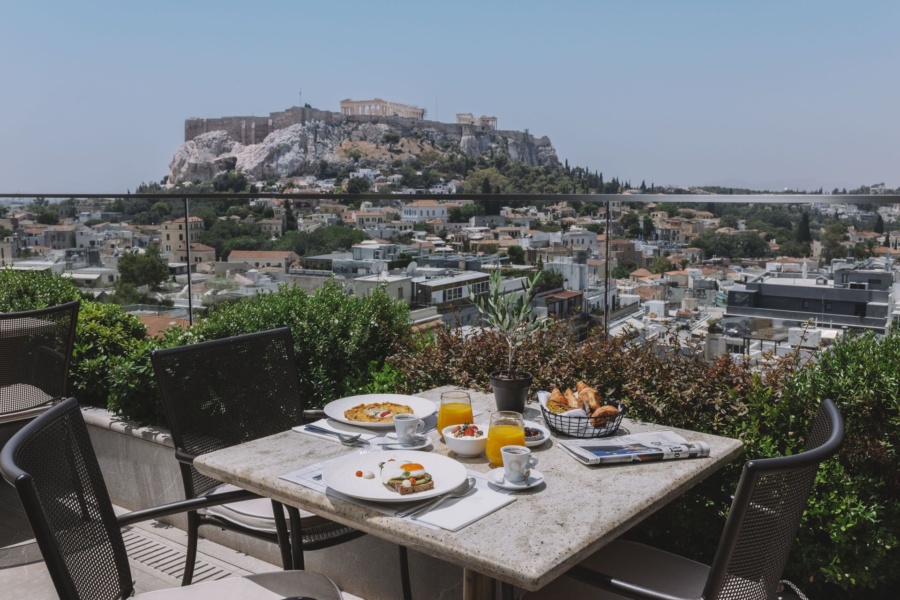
(456, 409)
(507, 429)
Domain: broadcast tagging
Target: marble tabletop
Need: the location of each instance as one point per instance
(528, 543)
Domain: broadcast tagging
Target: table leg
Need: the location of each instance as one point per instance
(477, 586)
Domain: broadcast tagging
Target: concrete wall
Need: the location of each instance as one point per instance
(140, 470)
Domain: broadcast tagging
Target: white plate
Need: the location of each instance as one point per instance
(341, 475)
(421, 407)
(540, 428)
(495, 477)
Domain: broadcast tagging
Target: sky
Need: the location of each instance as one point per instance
(763, 94)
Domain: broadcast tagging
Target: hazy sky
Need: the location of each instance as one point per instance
(764, 94)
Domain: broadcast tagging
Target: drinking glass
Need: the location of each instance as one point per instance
(456, 409)
(507, 429)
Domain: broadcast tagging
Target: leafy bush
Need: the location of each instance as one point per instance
(31, 290)
(104, 335)
(338, 339)
(104, 332)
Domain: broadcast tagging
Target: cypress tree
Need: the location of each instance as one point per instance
(803, 233)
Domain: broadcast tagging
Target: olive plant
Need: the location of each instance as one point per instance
(510, 313)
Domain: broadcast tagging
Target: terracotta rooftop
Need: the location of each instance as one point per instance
(157, 324)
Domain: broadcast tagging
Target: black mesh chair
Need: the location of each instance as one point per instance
(753, 550)
(221, 393)
(35, 350)
(53, 467)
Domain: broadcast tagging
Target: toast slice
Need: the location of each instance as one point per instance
(422, 487)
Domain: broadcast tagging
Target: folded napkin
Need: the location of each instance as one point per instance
(457, 513)
(332, 425)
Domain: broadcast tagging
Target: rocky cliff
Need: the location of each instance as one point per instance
(341, 141)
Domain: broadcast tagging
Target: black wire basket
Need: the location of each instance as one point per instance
(582, 427)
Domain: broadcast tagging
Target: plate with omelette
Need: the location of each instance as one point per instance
(376, 411)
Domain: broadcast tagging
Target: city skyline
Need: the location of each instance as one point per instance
(764, 96)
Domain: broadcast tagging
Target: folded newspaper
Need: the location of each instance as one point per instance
(636, 447)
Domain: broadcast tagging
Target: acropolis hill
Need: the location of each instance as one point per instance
(294, 141)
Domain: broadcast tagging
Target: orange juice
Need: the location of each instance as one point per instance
(503, 435)
(453, 413)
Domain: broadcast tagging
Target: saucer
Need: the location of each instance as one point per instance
(495, 477)
(389, 442)
(542, 429)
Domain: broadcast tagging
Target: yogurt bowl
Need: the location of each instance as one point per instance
(466, 445)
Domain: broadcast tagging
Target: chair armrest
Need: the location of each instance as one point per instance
(624, 588)
(190, 504)
(184, 457)
(313, 414)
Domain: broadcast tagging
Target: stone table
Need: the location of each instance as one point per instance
(528, 543)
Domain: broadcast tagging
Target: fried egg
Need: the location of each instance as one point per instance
(414, 469)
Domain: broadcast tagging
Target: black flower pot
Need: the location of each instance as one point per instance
(510, 393)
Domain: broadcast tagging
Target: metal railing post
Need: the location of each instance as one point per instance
(187, 246)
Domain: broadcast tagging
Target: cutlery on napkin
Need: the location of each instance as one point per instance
(335, 426)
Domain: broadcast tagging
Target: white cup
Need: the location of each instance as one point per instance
(517, 463)
(408, 427)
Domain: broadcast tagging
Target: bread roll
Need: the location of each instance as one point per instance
(603, 415)
(571, 399)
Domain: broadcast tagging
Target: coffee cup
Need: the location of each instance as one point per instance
(408, 427)
(517, 463)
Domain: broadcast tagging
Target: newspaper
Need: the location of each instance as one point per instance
(637, 447)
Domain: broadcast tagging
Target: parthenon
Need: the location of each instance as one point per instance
(381, 108)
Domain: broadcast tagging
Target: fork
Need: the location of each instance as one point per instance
(459, 492)
(347, 439)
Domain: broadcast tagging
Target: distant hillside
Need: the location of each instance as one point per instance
(307, 141)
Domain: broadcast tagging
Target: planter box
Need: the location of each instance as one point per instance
(140, 470)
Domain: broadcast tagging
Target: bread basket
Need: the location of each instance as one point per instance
(578, 425)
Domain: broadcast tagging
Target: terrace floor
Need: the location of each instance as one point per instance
(156, 552)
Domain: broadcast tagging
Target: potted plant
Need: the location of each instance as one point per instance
(510, 315)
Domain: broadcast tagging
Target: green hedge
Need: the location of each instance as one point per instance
(340, 341)
(104, 333)
(340, 344)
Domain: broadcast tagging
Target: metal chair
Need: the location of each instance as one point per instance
(35, 350)
(53, 467)
(753, 550)
(224, 392)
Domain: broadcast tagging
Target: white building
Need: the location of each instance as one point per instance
(421, 211)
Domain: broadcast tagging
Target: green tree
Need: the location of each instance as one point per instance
(516, 254)
(144, 269)
(832, 237)
(358, 185)
(161, 208)
(879, 225)
(804, 236)
(390, 138)
(660, 264)
(648, 228)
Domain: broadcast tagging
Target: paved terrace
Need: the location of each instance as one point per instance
(156, 552)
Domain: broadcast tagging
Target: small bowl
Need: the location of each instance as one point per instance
(465, 446)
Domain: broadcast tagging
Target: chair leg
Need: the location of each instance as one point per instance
(193, 528)
(404, 573)
(284, 544)
(296, 537)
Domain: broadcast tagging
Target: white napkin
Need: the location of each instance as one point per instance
(332, 425)
(457, 513)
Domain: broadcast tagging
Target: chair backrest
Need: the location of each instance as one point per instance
(53, 466)
(36, 347)
(765, 514)
(224, 392)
